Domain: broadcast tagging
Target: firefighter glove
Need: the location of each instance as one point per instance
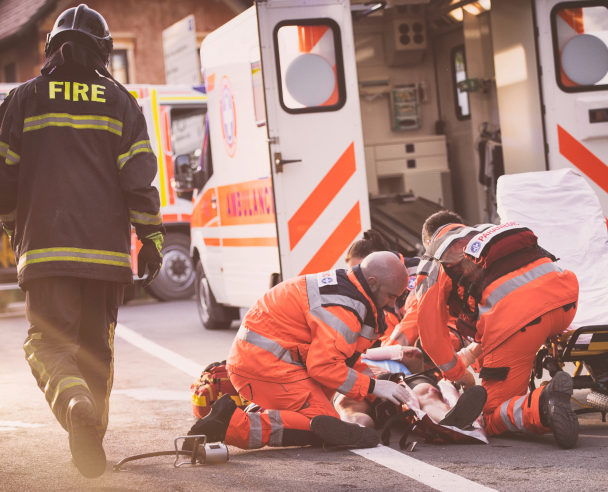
(391, 391)
(149, 256)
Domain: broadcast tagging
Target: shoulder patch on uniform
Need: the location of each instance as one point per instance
(327, 278)
(411, 284)
(479, 241)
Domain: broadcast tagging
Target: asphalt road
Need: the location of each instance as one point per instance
(150, 407)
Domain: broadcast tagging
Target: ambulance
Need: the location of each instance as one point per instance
(325, 116)
(175, 116)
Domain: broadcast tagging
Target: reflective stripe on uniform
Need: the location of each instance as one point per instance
(12, 158)
(316, 299)
(255, 430)
(515, 283)
(144, 218)
(504, 415)
(276, 428)
(75, 254)
(349, 382)
(368, 332)
(52, 395)
(518, 415)
(429, 269)
(3, 149)
(9, 217)
(79, 122)
(448, 366)
(336, 323)
(400, 338)
(136, 148)
(461, 234)
(266, 344)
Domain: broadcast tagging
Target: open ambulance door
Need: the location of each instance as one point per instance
(573, 51)
(314, 129)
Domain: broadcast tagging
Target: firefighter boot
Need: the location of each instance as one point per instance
(87, 451)
(214, 425)
(556, 411)
(335, 431)
(468, 407)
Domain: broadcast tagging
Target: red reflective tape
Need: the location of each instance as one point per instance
(309, 36)
(169, 217)
(211, 241)
(583, 158)
(321, 196)
(346, 232)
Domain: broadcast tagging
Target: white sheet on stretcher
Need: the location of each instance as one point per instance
(564, 212)
(450, 396)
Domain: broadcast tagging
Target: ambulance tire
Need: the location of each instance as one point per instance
(213, 315)
(176, 278)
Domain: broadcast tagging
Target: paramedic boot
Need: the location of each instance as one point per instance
(556, 412)
(87, 451)
(468, 407)
(214, 425)
(335, 431)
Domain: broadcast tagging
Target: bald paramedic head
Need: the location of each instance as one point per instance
(386, 276)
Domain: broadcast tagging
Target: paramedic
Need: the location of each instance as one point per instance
(298, 345)
(76, 169)
(523, 299)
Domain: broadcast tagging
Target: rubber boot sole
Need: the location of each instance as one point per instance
(87, 451)
(334, 431)
(562, 419)
(468, 407)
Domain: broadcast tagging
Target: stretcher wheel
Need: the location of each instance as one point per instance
(598, 401)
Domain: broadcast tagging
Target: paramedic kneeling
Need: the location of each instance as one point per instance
(297, 346)
(509, 294)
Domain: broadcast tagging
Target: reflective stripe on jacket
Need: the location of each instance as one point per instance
(310, 326)
(507, 305)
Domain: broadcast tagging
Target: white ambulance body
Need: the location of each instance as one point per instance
(311, 112)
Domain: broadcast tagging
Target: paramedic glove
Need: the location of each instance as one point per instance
(467, 357)
(151, 257)
(391, 391)
(466, 381)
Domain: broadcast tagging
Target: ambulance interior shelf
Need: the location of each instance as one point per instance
(399, 218)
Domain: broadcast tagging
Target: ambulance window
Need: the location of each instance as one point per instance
(580, 46)
(309, 65)
(459, 70)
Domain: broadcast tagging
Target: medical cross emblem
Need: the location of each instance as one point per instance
(228, 116)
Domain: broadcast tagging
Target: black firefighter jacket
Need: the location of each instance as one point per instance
(76, 168)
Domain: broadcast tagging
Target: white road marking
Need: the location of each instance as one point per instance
(12, 425)
(420, 471)
(182, 363)
(154, 394)
(430, 475)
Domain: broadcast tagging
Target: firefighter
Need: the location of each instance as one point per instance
(298, 345)
(76, 169)
(509, 294)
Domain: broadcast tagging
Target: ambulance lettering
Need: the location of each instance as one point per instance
(250, 202)
(477, 243)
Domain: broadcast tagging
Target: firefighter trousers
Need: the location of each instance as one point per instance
(510, 408)
(285, 420)
(70, 343)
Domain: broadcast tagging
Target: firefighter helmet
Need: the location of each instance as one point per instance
(82, 20)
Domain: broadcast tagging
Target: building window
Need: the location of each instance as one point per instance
(459, 70)
(580, 45)
(119, 66)
(10, 73)
(310, 68)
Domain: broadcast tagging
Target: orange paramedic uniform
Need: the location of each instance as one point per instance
(517, 312)
(296, 347)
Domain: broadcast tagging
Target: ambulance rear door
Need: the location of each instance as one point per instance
(314, 128)
(573, 50)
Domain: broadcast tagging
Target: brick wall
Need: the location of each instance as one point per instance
(134, 24)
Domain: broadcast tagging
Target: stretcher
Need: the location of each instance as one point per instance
(563, 211)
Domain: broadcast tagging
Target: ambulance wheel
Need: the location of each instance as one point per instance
(176, 278)
(214, 316)
(598, 401)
